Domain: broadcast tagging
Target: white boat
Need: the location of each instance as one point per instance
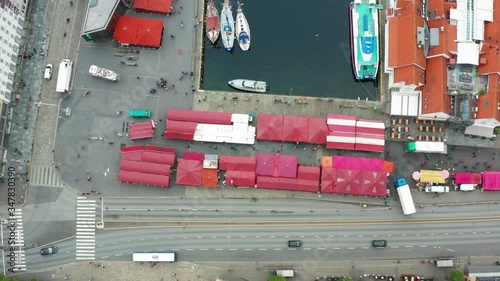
(227, 26)
(249, 85)
(242, 30)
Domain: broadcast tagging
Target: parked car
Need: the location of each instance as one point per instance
(379, 243)
(49, 250)
(294, 243)
(48, 72)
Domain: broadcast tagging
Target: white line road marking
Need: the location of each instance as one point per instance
(394, 247)
(365, 247)
(423, 246)
(214, 236)
(409, 246)
(272, 236)
(450, 250)
(233, 249)
(243, 236)
(277, 249)
(403, 234)
(117, 255)
(199, 237)
(351, 248)
(418, 234)
(248, 249)
(264, 249)
(287, 236)
(321, 248)
(218, 249)
(316, 236)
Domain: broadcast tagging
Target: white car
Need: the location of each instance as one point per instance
(48, 72)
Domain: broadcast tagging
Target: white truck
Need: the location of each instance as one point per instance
(285, 272)
(104, 73)
(427, 147)
(405, 196)
(64, 76)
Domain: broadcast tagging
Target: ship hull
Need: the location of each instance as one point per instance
(212, 22)
(227, 26)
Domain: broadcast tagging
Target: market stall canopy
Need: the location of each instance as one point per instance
(189, 172)
(295, 128)
(139, 31)
(154, 6)
(270, 127)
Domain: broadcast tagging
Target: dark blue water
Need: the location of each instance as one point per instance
(298, 47)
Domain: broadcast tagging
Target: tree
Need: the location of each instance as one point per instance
(456, 275)
(276, 278)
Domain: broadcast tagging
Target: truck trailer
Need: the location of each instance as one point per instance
(64, 76)
(427, 147)
(405, 196)
(104, 73)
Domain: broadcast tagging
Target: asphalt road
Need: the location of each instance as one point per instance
(249, 231)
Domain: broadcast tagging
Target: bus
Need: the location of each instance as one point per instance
(139, 113)
(154, 257)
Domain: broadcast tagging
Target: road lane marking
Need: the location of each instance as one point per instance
(277, 249)
(315, 236)
(243, 236)
(233, 249)
(360, 235)
(409, 246)
(423, 246)
(394, 247)
(418, 234)
(287, 236)
(214, 236)
(365, 247)
(403, 234)
(184, 237)
(272, 236)
(218, 249)
(263, 249)
(351, 248)
(450, 250)
(117, 255)
(228, 236)
(199, 237)
(248, 249)
(321, 248)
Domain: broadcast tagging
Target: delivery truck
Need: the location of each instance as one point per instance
(64, 76)
(405, 196)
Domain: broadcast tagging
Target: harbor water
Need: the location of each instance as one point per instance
(299, 48)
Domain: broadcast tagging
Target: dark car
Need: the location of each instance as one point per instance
(379, 243)
(49, 250)
(294, 243)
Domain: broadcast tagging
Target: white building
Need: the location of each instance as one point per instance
(12, 15)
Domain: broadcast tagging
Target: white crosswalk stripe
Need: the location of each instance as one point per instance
(44, 176)
(16, 251)
(85, 228)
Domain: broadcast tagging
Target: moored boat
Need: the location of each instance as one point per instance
(249, 85)
(212, 22)
(227, 26)
(242, 29)
(364, 38)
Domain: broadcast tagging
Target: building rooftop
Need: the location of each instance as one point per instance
(99, 13)
(435, 96)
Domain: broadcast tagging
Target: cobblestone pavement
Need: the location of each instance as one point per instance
(20, 140)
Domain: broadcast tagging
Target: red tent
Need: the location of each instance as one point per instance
(267, 182)
(270, 127)
(295, 128)
(265, 164)
(467, 178)
(155, 6)
(180, 130)
(287, 166)
(237, 163)
(287, 184)
(307, 185)
(191, 155)
(240, 178)
(141, 130)
(364, 163)
(317, 130)
(144, 167)
(340, 162)
(352, 163)
(138, 31)
(373, 183)
(376, 164)
(158, 157)
(328, 180)
(388, 166)
(142, 178)
(491, 180)
(189, 172)
(348, 182)
(341, 140)
(341, 123)
(149, 153)
(203, 117)
(308, 173)
(210, 178)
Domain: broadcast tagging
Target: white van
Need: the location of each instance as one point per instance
(437, 189)
(48, 72)
(467, 187)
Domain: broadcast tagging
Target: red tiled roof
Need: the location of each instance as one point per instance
(447, 32)
(410, 74)
(435, 96)
(490, 50)
(492, 98)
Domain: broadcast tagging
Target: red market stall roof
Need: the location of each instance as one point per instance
(145, 167)
(311, 173)
(467, 178)
(358, 163)
(141, 130)
(270, 127)
(328, 180)
(188, 155)
(138, 31)
(295, 128)
(267, 182)
(348, 182)
(372, 143)
(203, 117)
(317, 130)
(373, 183)
(388, 166)
(155, 6)
(341, 140)
(342, 123)
(371, 127)
(287, 184)
(149, 153)
(142, 178)
(189, 172)
(287, 166)
(237, 163)
(180, 130)
(266, 164)
(240, 178)
(209, 178)
(491, 180)
(307, 185)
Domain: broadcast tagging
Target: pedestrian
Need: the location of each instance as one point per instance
(34, 50)
(172, 36)
(159, 119)
(180, 7)
(67, 21)
(182, 24)
(138, 77)
(187, 94)
(173, 86)
(71, 3)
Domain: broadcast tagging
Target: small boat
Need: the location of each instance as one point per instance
(242, 30)
(249, 85)
(227, 26)
(212, 22)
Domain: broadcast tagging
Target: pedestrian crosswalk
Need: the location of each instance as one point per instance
(15, 224)
(44, 176)
(85, 228)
